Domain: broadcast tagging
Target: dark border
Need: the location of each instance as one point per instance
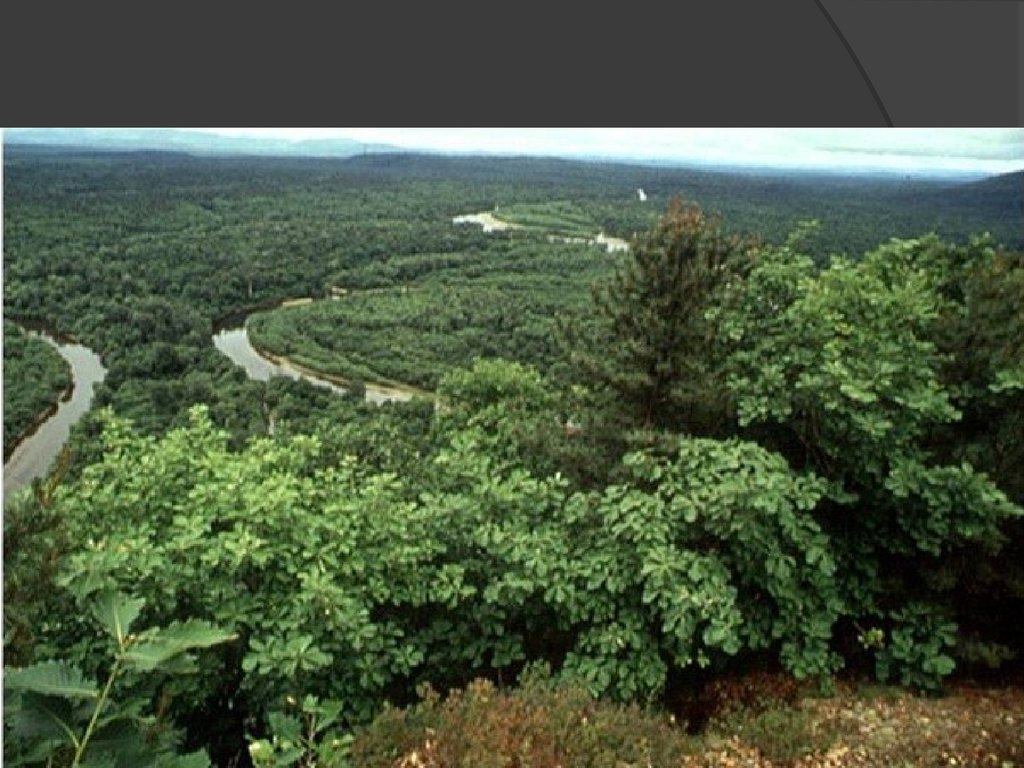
(698, 63)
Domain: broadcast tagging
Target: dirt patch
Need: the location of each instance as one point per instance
(970, 726)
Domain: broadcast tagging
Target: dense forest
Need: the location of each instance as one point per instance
(784, 431)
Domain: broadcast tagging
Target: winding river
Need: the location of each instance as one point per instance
(234, 342)
(35, 454)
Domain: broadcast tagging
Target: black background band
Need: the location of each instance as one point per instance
(688, 63)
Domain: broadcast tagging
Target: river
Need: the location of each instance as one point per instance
(234, 343)
(35, 454)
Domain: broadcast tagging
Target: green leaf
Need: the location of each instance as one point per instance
(284, 726)
(121, 740)
(1008, 380)
(39, 716)
(288, 756)
(40, 752)
(327, 712)
(116, 612)
(163, 645)
(193, 633)
(180, 665)
(940, 665)
(52, 678)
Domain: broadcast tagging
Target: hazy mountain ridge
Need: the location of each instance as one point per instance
(135, 139)
(751, 200)
(211, 144)
(1002, 194)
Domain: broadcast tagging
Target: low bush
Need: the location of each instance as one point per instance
(539, 724)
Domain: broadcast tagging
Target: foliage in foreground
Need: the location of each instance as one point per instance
(813, 515)
(55, 712)
(897, 380)
(488, 569)
(540, 724)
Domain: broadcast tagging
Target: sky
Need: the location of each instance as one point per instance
(911, 150)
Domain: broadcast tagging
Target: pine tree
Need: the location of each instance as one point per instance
(648, 344)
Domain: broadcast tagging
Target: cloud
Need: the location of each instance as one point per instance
(979, 144)
(904, 149)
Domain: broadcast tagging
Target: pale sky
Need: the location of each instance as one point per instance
(899, 149)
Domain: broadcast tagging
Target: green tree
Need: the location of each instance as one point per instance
(647, 348)
(840, 371)
(980, 333)
(704, 552)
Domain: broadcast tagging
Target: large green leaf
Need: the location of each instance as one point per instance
(39, 752)
(165, 644)
(285, 726)
(52, 678)
(116, 612)
(122, 741)
(41, 717)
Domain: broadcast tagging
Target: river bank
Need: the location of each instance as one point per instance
(36, 380)
(376, 391)
(37, 448)
(37, 422)
(488, 221)
(231, 338)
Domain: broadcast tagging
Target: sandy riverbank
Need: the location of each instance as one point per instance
(485, 220)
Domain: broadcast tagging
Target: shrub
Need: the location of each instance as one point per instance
(539, 725)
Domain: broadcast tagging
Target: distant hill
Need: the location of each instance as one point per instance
(857, 211)
(191, 142)
(1000, 198)
(1007, 190)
